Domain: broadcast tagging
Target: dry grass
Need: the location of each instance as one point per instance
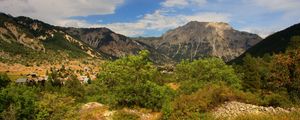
(295, 115)
(173, 86)
(16, 71)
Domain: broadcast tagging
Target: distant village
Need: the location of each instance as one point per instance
(63, 74)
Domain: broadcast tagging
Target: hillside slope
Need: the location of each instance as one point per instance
(25, 39)
(36, 41)
(278, 42)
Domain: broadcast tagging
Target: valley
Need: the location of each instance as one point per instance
(200, 70)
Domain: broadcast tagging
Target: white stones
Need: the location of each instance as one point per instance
(233, 109)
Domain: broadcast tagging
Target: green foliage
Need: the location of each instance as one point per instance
(294, 43)
(276, 78)
(195, 105)
(193, 75)
(4, 80)
(20, 100)
(54, 106)
(25, 55)
(255, 73)
(74, 88)
(277, 100)
(59, 43)
(274, 44)
(132, 81)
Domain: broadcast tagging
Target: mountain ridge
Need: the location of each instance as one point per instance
(196, 40)
(276, 43)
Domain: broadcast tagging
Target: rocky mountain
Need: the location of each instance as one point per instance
(194, 40)
(278, 42)
(200, 39)
(113, 45)
(34, 36)
(23, 38)
(106, 41)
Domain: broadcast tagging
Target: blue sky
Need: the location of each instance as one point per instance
(154, 17)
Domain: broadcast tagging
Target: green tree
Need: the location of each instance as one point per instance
(54, 106)
(74, 88)
(132, 81)
(256, 72)
(4, 80)
(193, 75)
(21, 99)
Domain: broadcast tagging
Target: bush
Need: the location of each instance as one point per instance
(133, 81)
(74, 88)
(193, 75)
(277, 100)
(20, 100)
(197, 104)
(54, 106)
(4, 80)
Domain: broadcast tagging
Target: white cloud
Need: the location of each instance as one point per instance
(182, 3)
(156, 21)
(281, 5)
(262, 31)
(198, 2)
(209, 17)
(172, 3)
(54, 11)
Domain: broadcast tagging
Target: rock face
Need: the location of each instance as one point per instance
(191, 41)
(234, 109)
(106, 41)
(112, 44)
(200, 39)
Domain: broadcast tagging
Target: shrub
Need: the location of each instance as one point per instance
(20, 100)
(193, 75)
(74, 88)
(4, 80)
(195, 105)
(133, 81)
(55, 106)
(277, 100)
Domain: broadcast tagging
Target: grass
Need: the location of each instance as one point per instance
(295, 115)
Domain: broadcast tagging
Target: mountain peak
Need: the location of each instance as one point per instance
(200, 39)
(202, 25)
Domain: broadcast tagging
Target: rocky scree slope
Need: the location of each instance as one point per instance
(233, 109)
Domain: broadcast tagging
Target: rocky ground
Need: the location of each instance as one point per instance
(233, 109)
(97, 111)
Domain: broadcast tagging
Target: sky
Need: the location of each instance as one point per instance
(154, 17)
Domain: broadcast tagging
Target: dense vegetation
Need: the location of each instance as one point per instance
(274, 44)
(134, 82)
(56, 47)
